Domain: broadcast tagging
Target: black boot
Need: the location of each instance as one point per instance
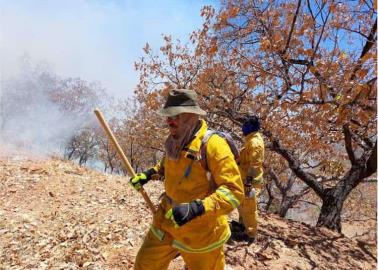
(236, 226)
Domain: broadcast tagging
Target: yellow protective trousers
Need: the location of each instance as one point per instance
(156, 255)
(248, 214)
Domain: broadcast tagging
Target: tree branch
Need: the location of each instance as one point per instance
(348, 144)
(274, 176)
(368, 45)
(294, 165)
(316, 73)
(292, 27)
(371, 164)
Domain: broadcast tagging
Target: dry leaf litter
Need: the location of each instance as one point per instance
(57, 215)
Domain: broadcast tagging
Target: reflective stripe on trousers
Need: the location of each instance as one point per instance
(159, 234)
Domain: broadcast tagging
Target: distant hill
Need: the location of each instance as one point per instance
(57, 215)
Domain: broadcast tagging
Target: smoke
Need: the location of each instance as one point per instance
(37, 114)
(95, 40)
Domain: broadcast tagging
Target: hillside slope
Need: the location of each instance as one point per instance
(57, 215)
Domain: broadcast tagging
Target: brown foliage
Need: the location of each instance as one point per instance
(306, 68)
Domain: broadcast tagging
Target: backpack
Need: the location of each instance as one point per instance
(206, 138)
(201, 155)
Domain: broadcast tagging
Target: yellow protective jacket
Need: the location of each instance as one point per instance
(251, 159)
(186, 180)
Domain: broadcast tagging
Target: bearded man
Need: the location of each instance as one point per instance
(191, 219)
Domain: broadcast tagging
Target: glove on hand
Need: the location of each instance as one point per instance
(141, 178)
(185, 212)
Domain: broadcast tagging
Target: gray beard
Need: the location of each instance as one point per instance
(174, 146)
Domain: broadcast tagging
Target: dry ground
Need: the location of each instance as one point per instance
(57, 215)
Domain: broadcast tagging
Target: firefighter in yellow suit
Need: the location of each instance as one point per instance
(251, 170)
(191, 219)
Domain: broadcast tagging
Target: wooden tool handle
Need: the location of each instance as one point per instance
(124, 159)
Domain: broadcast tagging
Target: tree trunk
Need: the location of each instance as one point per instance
(83, 159)
(70, 154)
(270, 196)
(333, 198)
(330, 212)
(286, 203)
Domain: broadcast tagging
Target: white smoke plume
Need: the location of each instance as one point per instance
(35, 111)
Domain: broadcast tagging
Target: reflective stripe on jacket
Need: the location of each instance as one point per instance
(186, 180)
(251, 159)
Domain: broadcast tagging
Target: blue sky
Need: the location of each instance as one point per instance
(97, 40)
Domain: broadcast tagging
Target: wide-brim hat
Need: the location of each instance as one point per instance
(181, 101)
